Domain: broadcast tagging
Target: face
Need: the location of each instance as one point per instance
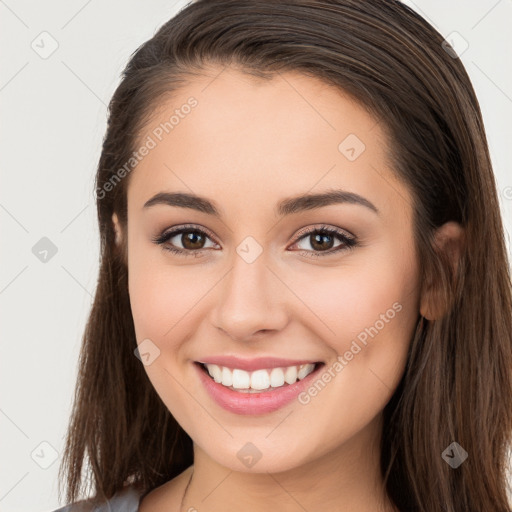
(262, 280)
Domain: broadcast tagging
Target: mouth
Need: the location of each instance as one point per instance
(258, 392)
(259, 381)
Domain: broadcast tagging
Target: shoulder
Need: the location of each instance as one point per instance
(125, 500)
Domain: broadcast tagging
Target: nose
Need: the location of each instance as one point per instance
(251, 300)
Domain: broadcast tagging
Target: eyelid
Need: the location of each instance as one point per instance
(323, 227)
(349, 241)
(304, 231)
(176, 230)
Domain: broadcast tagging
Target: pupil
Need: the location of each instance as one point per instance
(317, 240)
(192, 239)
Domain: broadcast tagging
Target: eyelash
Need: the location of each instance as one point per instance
(348, 241)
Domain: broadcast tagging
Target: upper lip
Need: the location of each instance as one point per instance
(258, 363)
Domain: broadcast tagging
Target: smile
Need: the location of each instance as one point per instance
(259, 380)
(260, 391)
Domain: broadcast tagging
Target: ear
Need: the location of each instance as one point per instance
(449, 238)
(117, 228)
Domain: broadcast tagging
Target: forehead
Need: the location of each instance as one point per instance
(225, 133)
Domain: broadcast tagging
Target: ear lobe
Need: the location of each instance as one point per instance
(449, 239)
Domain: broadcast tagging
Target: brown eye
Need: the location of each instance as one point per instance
(192, 240)
(321, 241)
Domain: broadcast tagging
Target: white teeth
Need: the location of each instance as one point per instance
(215, 372)
(290, 375)
(276, 377)
(227, 377)
(305, 370)
(260, 379)
(241, 379)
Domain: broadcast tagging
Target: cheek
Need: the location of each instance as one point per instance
(162, 302)
(368, 307)
(371, 314)
(160, 298)
(160, 293)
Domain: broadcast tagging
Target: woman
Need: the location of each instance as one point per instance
(304, 299)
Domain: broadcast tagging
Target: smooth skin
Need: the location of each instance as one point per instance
(247, 145)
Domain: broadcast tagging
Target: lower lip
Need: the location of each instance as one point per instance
(253, 403)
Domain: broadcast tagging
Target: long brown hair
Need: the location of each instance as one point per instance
(457, 385)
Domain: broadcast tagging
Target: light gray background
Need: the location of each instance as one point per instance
(53, 121)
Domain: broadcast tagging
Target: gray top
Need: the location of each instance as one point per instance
(126, 500)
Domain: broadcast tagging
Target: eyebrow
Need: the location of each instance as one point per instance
(285, 207)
